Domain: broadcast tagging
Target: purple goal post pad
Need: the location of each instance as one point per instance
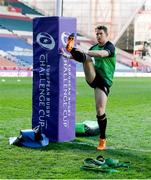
(54, 79)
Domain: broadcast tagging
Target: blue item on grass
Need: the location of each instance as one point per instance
(32, 138)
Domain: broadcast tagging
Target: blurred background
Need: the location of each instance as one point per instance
(128, 22)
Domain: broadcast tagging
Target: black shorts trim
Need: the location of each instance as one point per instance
(99, 82)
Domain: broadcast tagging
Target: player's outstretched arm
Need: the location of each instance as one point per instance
(98, 53)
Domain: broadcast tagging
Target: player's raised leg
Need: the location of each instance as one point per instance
(76, 53)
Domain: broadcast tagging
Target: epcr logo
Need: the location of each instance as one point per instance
(45, 40)
(64, 37)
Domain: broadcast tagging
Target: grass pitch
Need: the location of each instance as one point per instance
(128, 133)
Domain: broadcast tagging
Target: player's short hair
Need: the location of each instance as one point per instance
(104, 28)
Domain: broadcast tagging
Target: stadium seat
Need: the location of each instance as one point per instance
(19, 48)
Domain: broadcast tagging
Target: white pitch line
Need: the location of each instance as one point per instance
(111, 147)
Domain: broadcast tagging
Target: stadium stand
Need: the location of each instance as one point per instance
(24, 8)
(16, 39)
(18, 48)
(128, 59)
(15, 23)
(16, 34)
(5, 63)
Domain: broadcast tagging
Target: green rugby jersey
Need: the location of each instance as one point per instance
(105, 66)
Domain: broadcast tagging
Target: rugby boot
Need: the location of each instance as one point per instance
(70, 42)
(102, 144)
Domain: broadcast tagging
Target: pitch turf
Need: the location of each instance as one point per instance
(128, 133)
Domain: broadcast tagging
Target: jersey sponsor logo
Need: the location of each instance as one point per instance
(45, 40)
